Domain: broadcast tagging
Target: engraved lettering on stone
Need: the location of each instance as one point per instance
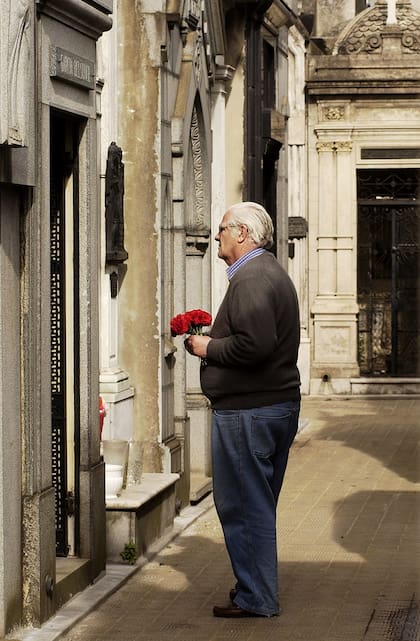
(71, 68)
(75, 68)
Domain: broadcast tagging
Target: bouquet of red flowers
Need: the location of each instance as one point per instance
(191, 322)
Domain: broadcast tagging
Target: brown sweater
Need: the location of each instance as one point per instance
(251, 361)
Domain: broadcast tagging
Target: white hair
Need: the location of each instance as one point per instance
(256, 219)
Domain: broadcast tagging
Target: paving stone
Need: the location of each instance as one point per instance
(349, 545)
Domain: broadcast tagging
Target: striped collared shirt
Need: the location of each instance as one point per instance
(232, 269)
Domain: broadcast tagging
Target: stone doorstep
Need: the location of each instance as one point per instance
(72, 576)
(200, 486)
(142, 514)
(384, 385)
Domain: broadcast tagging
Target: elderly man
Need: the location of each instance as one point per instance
(250, 376)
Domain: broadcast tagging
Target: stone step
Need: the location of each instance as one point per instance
(384, 385)
(141, 514)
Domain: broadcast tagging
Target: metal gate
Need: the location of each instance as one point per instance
(388, 271)
(64, 159)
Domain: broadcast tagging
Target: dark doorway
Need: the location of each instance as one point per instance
(64, 288)
(262, 150)
(388, 271)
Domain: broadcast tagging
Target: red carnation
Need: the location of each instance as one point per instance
(179, 325)
(191, 322)
(198, 318)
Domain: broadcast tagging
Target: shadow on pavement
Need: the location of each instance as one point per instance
(391, 430)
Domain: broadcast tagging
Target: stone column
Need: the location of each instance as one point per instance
(327, 220)
(335, 307)
(115, 386)
(298, 194)
(140, 31)
(346, 282)
(10, 395)
(218, 276)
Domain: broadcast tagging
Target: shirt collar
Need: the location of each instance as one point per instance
(232, 269)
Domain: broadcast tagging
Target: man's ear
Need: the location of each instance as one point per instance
(243, 233)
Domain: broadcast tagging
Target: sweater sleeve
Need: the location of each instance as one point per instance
(251, 317)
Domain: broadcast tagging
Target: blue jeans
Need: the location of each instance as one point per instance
(250, 449)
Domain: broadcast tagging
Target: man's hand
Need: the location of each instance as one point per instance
(197, 345)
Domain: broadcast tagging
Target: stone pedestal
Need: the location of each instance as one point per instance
(118, 396)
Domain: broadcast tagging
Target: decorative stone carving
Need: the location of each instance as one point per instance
(197, 224)
(411, 41)
(192, 13)
(366, 33)
(334, 113)
(198, 218)
(344, 145)
(324, 146)
(340, 145)
(16, 75)
(197, 61)
(114, 206)
(196, 245)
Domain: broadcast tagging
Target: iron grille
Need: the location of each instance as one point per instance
(58, 374)
(388, 272)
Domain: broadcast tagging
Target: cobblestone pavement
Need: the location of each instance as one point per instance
(348, 536)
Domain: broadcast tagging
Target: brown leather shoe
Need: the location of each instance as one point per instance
(232, 612)
(232, 594)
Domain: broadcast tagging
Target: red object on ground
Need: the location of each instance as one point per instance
(102, 414)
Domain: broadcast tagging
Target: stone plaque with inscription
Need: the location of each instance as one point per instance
(69, 67)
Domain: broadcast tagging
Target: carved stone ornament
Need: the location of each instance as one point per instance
(334, 113)
(197, 161)
(15, 70)
(197, 57)
(197, 225)
(344, 145)
(114, 206)
(192, 13)
(330, 146)
(324, 146)
(366, 32)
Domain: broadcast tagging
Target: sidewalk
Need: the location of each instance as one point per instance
(349, 546)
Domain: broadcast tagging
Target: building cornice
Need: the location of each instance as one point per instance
(215, 20)
(91, 17)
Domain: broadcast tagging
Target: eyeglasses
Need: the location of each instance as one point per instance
(223, 227)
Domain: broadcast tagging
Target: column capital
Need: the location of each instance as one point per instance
(223, 73)
(334, 145)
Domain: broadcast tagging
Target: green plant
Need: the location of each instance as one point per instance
(129, 553)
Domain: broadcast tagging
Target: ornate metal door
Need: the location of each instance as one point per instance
(63, 154)
(388, 271)
(58, 347)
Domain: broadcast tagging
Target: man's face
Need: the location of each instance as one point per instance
(227, 242)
